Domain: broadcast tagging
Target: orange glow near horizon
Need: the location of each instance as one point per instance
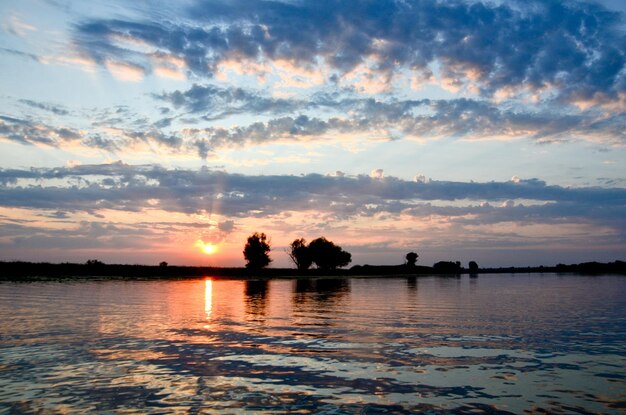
(207, 248)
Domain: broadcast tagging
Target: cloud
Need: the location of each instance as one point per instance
(459, 118)
(29, 132)
(73, 61)
(300, 128)
(21, 54)
(16, 26)
(569, 48)
(119, 130)
(463, 118)
(226, 226)
(156, 136)
(111, 139)
(217, 102)
(124, 187)
(55, 109)
(125, 71)
(167, 72)
(84, 236)
(168, 66)
(377, 174)
(425, 118)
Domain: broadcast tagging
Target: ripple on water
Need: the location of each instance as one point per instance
(495, 344)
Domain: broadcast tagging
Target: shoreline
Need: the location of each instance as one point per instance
(34, 271)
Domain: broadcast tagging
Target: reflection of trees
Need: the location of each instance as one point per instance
(411, 283)
(321, 292)
(314, 302)
(256, 292)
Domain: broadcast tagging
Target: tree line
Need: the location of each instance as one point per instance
(327, 256)
(321, 252)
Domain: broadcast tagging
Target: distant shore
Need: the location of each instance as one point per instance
(34, 271)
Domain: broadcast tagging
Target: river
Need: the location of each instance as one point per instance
(536, 343)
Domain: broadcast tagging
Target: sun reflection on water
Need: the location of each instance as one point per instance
(208, 298)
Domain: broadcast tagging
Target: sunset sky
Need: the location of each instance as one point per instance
(148, 131)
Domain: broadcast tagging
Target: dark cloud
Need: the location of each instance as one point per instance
(479, 119)
(217, 102)
(296, 129)
(57, 215)
(103, 143)
(466, 118)
(460, 118)
(85, 236)
(156, 136)
(562, 212)
(123, 187)
(163, 123)
(28, 132)
(575, 47)
(226, 226)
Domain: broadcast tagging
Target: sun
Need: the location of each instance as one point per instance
(207, 248)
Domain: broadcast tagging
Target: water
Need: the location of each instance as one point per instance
(492, 344)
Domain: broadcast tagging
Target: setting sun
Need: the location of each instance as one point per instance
(206, 247)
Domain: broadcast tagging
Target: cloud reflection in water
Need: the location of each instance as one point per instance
(496, 344)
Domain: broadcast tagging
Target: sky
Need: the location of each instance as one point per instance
(147, 131)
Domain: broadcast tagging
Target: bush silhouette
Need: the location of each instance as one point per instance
(448, 267)
(256, 251)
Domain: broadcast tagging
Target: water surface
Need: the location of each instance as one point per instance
(492, 344)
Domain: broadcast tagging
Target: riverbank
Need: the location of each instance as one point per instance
(32, 271)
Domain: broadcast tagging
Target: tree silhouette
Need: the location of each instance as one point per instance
(256, 251)
(411, 259)
(326, 255)
(473, 266)
(300, 254)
